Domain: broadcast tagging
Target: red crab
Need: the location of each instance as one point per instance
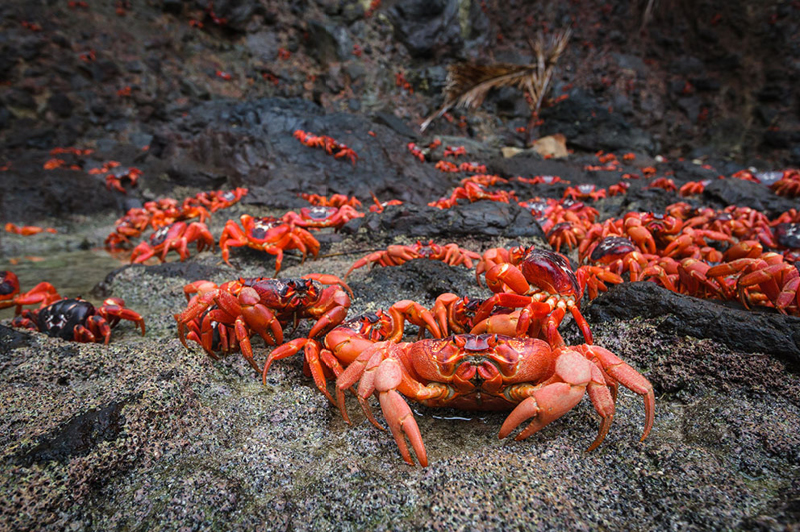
(78, 320)
(663, 182)
(484, 180)
(416, 152)
(542, 179)
(260, 306)
(446, 166)
(42, 294)
(115, 177)
(472, 192)
(175, 236)
(219, 199)
(454, 151)
(619, 189)
(474, 168)
(569, 233)
(28, 230)
(536, 381)
(584, 192)
(336, 200)
(267, 234)
(769, 275)
(395, 255)
(318, 217)
(345, 342)
(788, 185)
(693, 188)
(9, 288)
(543, 281)
(379, 206)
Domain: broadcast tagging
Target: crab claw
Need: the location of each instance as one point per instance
(397, 413)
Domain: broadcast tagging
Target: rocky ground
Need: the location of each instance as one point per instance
(146, 434)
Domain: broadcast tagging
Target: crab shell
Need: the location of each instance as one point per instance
(550, 272)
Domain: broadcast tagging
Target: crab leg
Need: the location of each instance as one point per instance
(397, 413)
(551, 401)
(255, 315)
(625, 375)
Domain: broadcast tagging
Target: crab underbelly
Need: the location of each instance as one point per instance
(474, 400)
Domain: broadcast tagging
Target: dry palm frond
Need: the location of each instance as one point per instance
(468, 85)
(648, 12)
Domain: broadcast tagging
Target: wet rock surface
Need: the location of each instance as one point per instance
(147, 434)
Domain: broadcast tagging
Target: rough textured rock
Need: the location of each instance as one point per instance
(764, 332)
(591, 127)
(251, 144)
(487, 219)
(427, 27)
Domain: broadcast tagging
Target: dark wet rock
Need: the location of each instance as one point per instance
(29, 193)
(19, 98)
(251, 144)
(60, 104)
(12, 339)
(329, 43)
(397, 125)
(748, 194)
(78, 437)
(766, 115)
(8, 60)
(765, 332)
(173, 7)
(30, 48)
(426, 27)
(778, 139)
(263, 45)
(478, 219)
(104, 70)
(237, 13)
(591, 127)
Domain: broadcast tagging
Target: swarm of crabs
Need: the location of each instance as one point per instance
(501, 352)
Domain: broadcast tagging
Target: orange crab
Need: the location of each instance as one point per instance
(543, 282)
(537, 381)
(239, 309)
(472, 192)
(267, 234)
(395, 255)
(175, 236)
(43, 293)
(319, 216)
(116, 176)
(27, 230)
(336, 200)
(584, 192)
(345, 342)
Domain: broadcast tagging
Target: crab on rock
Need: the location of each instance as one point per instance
(396, 254)
(260, 306)
(78, 320)
(543, 282)
(537, 381)
(175, 236)
(42, 294)
(345, 342)
(267, 234)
